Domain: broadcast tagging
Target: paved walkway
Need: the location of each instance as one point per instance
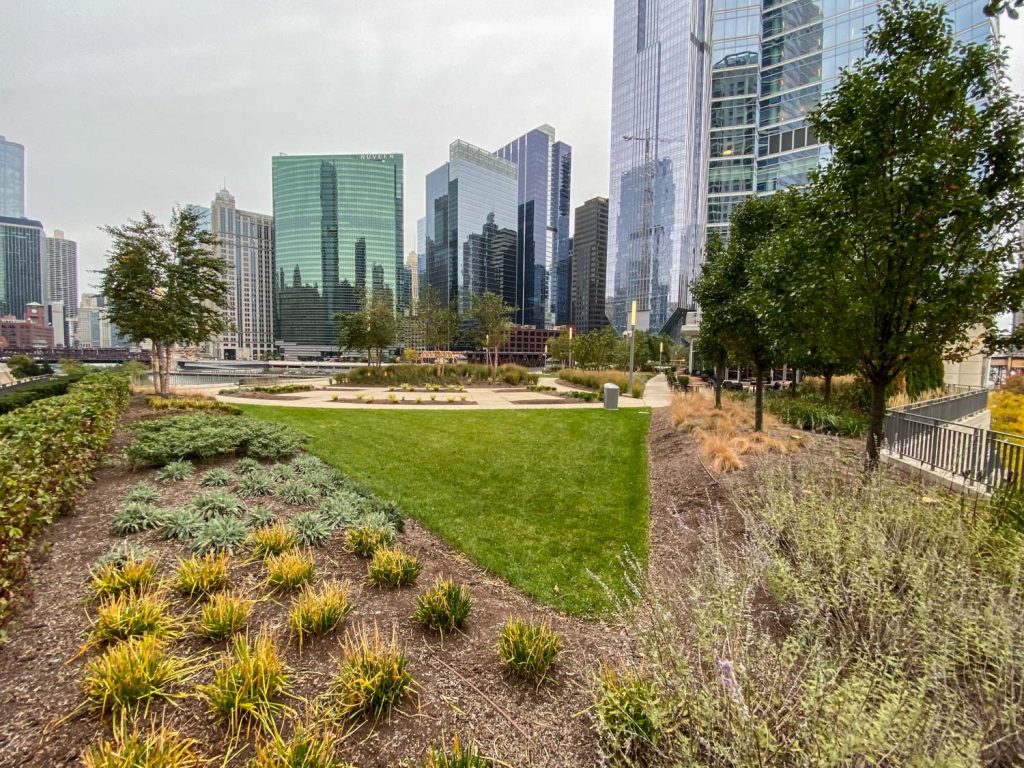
(656, 395)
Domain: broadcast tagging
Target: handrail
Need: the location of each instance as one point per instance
(27, 380)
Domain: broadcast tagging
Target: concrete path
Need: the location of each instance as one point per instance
(656, 393)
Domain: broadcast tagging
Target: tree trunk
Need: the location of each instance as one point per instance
(876, 428)
(494, 374)
(165, 373)
(758, 397)
(719, 378)
(828, 373)
(155, 362)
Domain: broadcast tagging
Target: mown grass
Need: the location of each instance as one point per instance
(538, 497)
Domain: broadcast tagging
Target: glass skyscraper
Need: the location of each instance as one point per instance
(771, 65)
(337, 236)
(470, 233)
(12, 179)
(22, 245)
(543, 262)
(657, 186)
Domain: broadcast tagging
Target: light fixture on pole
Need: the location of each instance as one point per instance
(661, 350)
(632, 339)
(570, 346)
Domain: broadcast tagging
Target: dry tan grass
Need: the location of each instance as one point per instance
(726, 435)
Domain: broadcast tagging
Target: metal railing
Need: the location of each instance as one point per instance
(961, 403)
(18, 383)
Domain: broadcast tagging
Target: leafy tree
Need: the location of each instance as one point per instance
(437, 323)
(165, 285)
(69, 367)
(373, 326)
(713, 293)
(925, 188)
(354, 330)
(559, 346)
(23, 366)
(492, 324)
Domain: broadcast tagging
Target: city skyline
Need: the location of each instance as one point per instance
(60, 99)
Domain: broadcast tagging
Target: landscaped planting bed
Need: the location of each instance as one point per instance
(459, 373)
(250, 596)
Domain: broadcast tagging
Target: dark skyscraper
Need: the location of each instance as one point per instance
(22, 245)
(336, 217)
(589, 265)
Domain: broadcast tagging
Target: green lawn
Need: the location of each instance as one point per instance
(539, 497)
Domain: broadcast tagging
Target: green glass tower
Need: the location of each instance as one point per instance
(337, 238)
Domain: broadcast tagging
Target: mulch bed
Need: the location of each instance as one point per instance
(462, 686)
(267, 396)
(385, 401)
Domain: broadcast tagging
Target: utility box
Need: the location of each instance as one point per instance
(611, 397)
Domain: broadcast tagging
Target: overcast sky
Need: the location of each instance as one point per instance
(125, 105)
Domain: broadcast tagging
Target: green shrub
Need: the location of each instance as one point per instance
(202, 575)
(461, 373)
(158, 403)
(224, 615)
(325, 480)
(297, 491)
(220, 534)
(629, 718)
(387, 510)
(247, 683)
(175, 470)
(260, 517)
(48, 450)
(393, 568)
(14, 399)
(597, 379)
(255, 484)
(280, 389)
(311, 530)
(444, 607)
(364, 540)
(217, 477)
(159, 748)
(245, 465)
(210, 504)
(318, 611)
(458, 756)
(204, 437)
(307, 465)
(181, 524)
(341, 509)
(135, 516)
(373, 678)
(144, 493)
(528, 649)
(134, 673)
(807, 413)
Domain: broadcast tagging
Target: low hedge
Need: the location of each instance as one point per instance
(813, 415)
(597, 379)
(48, 450)
(459, 373)
(158, 403)
(37, 390)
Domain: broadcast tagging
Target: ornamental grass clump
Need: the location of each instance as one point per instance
(128, 615)
(444, 607)
(260, 517)
(297, 491)
(135, 673)
(224, 615)
(456, 756)
(255, 484)
(306, 464)
(116, 577)
(341, 509)
(247, 683)
(319, 610)
(310, 745)
(182, 524)
(291, 569)
(393, 567)
(220, 534)
(175, 471)
(311, 529)
(245, 466)
(217, 477)
(271, 540)
(160, 747)
(144, 493)
(528, 649)
(364, 540)
(216, 504)
(137, 516)
(372, 679)
(629, 718)
(202, 575)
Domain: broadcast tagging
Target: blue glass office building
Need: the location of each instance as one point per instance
(543, 261)
(22, 245)
(657, 186)
(470, 232)
(337, 236)
(12, 179)
(771, 64)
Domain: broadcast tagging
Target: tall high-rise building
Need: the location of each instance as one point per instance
(60, 271)
(470, 233)
(589, 265)
(94, 328)
(12, 179)
(246, 245)
(657, 187)
(771, 64)
(21, 264)
(412, 267)
(337, 237)
(542, 246)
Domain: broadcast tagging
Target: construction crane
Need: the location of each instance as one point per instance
(644, 291)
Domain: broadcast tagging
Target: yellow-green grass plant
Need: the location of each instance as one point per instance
(311, 744)
(393, 567)
(319, 610)
(271, 540)
(135, 673)
(291, 569)
(130, 575)
(248, 682)
(202, 575)
(629, 716)
(444, 606)
(129, 614)
(157, 747)
(223, 615)
(456, 756)
(364, 540)
(528, 649)
(373, 678)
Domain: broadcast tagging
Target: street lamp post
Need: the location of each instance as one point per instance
(570, 346)
(632, 338)
(661, 350)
